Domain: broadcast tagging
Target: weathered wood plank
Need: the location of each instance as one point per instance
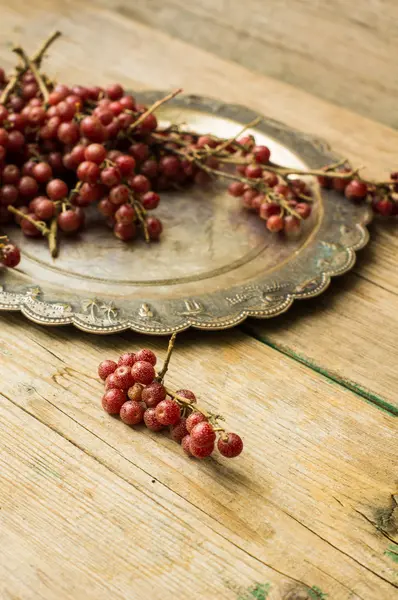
(340, 51)
(140, 56)
(306, 496)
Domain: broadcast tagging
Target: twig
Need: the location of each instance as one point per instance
(30, 65)
(185, 403)
(36, 59)
(40, 225)
(170, 348)
(141, 217)
(227, 143)
(52, 237)
(154, 107)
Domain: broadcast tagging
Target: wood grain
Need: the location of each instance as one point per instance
(93, 509)
(139, 56)
(340, 51)
(304, 499)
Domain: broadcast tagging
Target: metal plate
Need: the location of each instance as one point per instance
(215, 264)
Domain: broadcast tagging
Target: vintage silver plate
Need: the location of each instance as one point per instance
(215, 265)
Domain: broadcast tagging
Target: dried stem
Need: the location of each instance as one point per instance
(154, 107)
(170, 349)
(226, 143)
(184, 403)
(30, 65)
(139, 209)
(52, 237)
(40, 225)
(36, 59)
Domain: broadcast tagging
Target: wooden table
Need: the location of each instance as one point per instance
(90, 509)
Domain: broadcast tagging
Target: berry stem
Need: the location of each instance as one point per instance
(29, 65)
(40, 225)
(36, 59)
(52, 237)
(154, 107)
(170, 349)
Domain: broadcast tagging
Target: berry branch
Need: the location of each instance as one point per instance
(66, 148)
(137, 394)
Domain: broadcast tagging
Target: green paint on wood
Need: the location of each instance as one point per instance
(258, 591)
(392, 552)
(316, 594)
(367, 395)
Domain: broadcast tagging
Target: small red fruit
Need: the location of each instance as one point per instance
(143, 372)
(168, 412)
(146, 355)
(135, 392)
(193, 419)
(153, 393)
(151, 421)
(106, 368)
(123, 377)
(202, 434)
(132, 412)
(126, 359)
(230, 445)
(200, 451)
(179, 431)
(113, 400)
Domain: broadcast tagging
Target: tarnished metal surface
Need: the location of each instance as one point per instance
(215, 264)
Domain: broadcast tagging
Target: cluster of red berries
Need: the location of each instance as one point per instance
(64, 149)
(135, 393)
(383, 196)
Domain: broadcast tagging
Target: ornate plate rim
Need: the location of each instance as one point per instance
(25, 303)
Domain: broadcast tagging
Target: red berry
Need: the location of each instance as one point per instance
(56, 189)
(268, 209)
(236, 188)
(185, 443)
(275, 223)
(146, 355)
(110, 176)
(113, 400)
(27, 186)
(168, 412)
(135, 392)
(95, 153)
(150, 200)
(230, 445)
(291, 224)
(140, 184)
(151, 421)
(303, 209)
(179, 431)
(124, 231)
(93, 129)
(261, 154)
(119, 194)
(202, 434)
(125, 214)
(153, 393)
(200, 451)
(154, 227)
(143, 372)
(187, 394)
(123, 377)
(111, 382)
(282, 190)
(28, 228)
(253, 171)
(383, 207)
(88, 171)
(356, 190)
(125, 164)
(270, 179)
(44, 209)
(10, 255)
(106, 368)
(132, 412)
(70, 221)
(126, 359)
(42, 172)
(193, 420)
(340, 184)
(114, 91)
(68, 133)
